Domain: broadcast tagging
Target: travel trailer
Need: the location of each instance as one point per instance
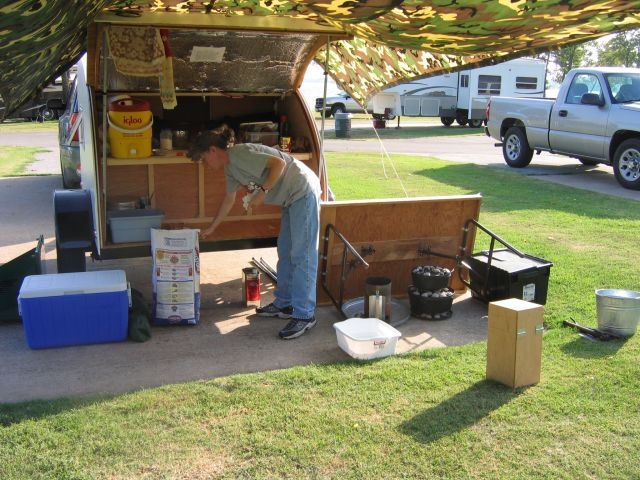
(247, 78)
(462, 96)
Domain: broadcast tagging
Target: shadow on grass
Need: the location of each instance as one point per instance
(392, 132)
(14, 413)
(583, 347)
(458, 412)
(504, 190)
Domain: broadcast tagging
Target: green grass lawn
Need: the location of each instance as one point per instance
(21, 126)
(427, 415)
(15, 160)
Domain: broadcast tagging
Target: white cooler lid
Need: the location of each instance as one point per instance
(74, 283)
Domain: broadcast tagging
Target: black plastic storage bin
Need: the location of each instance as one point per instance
(74, 229)
(501, 273)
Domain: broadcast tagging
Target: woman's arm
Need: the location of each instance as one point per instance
(223, 211)
(275, 167)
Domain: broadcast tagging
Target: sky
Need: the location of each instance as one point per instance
(313, 85)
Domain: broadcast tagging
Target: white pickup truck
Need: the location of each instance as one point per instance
(596, 119)
(342, 102)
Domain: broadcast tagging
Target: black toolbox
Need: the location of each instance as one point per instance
(501, 273)
(504, 274)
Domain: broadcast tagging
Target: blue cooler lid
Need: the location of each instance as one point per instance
(74, 283)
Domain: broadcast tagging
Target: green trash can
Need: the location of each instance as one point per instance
(343, 125)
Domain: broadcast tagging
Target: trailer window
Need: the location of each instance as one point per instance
(464, 81)
(489, 84)
(527, 83)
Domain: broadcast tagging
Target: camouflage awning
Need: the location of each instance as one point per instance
(392, 39)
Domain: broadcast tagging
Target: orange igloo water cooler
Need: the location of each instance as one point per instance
(130, 122)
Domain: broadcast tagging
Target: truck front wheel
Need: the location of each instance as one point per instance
(338, 109)
(515, 148)
(626, 164)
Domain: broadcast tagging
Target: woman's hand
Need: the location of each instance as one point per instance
(207, 231)
(223, 211)
(257, 199)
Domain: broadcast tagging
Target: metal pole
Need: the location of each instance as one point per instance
(324, 96)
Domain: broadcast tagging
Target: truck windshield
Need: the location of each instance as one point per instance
(624, 87)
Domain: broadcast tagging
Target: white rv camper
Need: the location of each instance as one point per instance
(462, 96)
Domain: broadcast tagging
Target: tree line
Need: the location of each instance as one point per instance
(621, 49)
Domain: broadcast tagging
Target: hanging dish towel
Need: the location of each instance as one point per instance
(136, 51)
(167, 88)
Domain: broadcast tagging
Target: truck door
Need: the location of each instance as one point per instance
(577, 128)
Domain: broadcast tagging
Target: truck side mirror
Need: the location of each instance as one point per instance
(592, 99)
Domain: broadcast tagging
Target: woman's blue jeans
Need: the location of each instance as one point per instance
(298, 257)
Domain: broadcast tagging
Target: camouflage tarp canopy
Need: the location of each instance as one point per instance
(391, 40)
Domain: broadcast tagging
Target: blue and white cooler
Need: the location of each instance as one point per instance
(75, 308)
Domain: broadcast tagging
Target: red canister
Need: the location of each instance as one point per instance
(251, 286)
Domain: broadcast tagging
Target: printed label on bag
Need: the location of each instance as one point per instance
(176, 276)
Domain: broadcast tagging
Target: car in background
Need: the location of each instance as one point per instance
(340, 103)
(68, 140)
(48, 104)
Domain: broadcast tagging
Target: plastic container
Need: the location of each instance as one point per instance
(130, 121)
(130, 113)
(509, 276)
(166, 140)
(618, 311)
(133, 225)
(123, 203)
(76, 308)
(265, 133)
(269, 139)
(366, 338)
